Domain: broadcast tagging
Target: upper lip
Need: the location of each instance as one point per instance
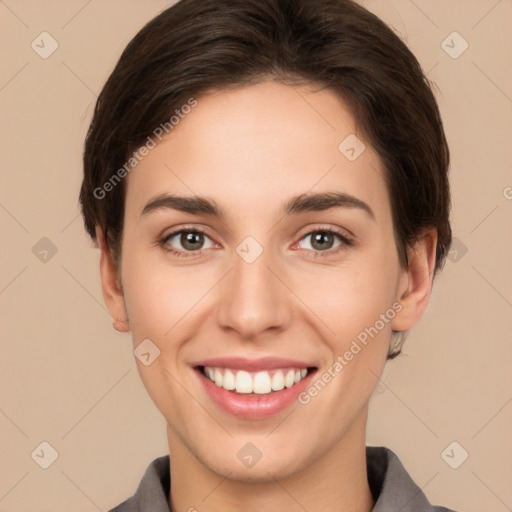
(253, 365)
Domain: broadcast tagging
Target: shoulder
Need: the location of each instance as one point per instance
(392, 486)
(153, 490)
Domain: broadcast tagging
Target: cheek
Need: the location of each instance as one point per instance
(157, 295)
(352, 297)
(160, 303)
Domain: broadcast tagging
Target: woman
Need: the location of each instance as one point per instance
(231, 142)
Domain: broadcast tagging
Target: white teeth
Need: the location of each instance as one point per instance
(243, 382)
(278, 381)
(260, 383)
(229, 380)
(289, 379)
(218, 377)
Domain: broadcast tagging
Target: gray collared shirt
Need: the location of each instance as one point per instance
(392, 488)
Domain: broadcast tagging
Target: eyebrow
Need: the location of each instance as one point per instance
(308, 202)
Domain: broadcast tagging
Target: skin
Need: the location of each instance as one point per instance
(251, 149)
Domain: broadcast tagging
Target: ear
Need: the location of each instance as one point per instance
(415, 283)
(111, 285)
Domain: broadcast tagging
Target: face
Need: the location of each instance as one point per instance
(255, 258)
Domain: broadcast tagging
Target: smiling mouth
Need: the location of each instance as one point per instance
(255, 383)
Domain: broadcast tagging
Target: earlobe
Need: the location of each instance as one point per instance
(111, 285)
(415, 284)
(121, 324)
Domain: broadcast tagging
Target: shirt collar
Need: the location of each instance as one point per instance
(392, 488)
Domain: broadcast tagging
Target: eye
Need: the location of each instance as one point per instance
(186, 241)
(324, 240)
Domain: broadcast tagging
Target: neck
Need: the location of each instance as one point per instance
(333, 482)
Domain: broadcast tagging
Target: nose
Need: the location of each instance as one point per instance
(253, 300)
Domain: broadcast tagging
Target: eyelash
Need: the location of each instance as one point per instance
(344, 239)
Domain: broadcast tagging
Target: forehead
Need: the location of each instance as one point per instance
(263, 142)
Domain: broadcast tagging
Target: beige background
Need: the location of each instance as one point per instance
(68, 379)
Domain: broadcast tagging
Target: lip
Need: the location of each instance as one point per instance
(252, 365)
(253, 406)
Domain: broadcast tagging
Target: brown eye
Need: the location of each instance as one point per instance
(325, 241)
(188, 241)
(191, 241)
(322, 240)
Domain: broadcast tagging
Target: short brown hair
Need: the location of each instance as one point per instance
(198, 45)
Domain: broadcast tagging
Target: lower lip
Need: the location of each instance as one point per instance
(253, 406)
